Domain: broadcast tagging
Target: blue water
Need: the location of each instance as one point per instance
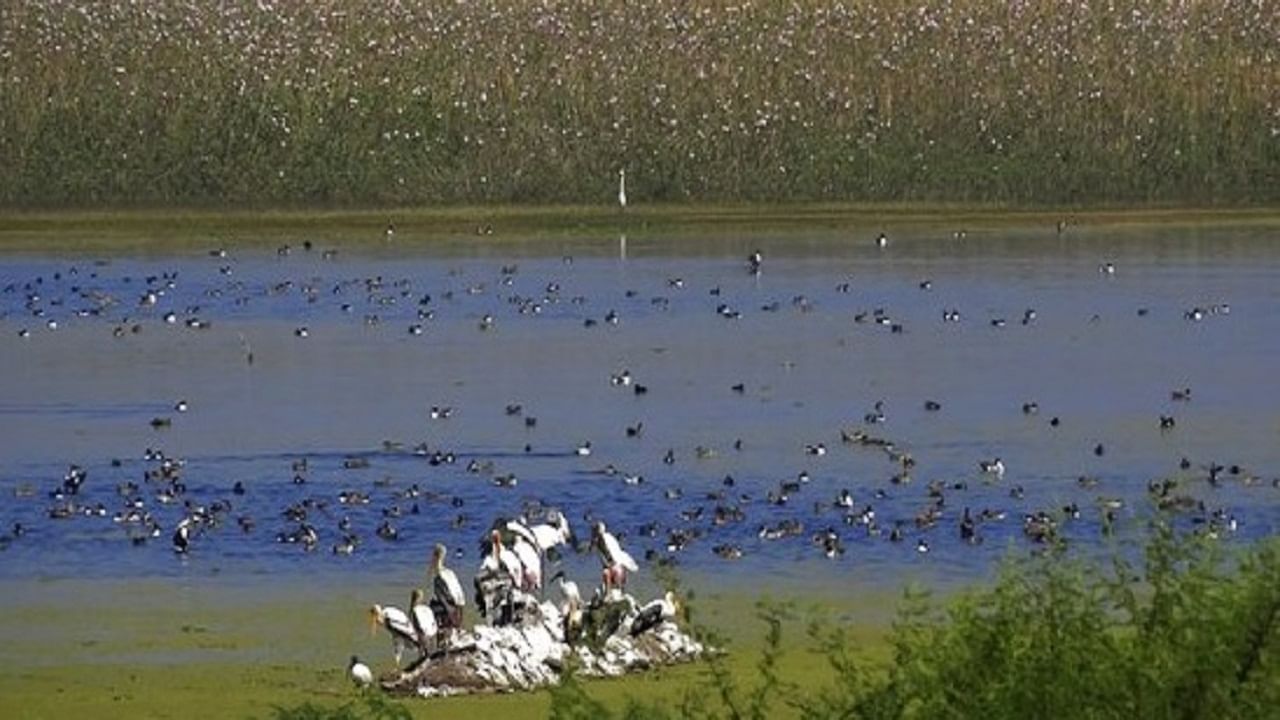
(79, 395)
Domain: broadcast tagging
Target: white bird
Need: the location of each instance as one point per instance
(583, 450)
(622, 189)
(446, 589)
(992, 467)
(423, 620)
(617, 562)
(552, 533)
(397, 625)
(531, 562)
(359, 673)
(568, 591)
(503, 560)
(655, 613)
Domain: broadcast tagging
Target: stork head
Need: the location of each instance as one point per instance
(495, 539)
(437, 556)
(415, 598)
(375, 617)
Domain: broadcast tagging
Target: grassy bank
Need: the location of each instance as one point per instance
(356, 102)
(134, 230)
(237, 649)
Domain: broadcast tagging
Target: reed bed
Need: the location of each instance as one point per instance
(363, 102)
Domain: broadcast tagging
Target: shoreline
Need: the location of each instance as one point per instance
(489, 226)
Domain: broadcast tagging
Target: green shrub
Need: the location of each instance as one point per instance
(1194, 633)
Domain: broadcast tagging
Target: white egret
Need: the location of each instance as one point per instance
(622, 189)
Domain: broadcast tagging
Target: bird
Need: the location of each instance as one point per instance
(182, 537)
(992, 467)
(622, 188)
(571, 608)
(617, 562)
(552, 533)
(655, 613)
(530, 562)
(446, 591)
(398, 626)
(359, 673)
(425, 628)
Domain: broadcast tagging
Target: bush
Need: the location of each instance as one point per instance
(1195, 633)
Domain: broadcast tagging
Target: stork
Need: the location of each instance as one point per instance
(398, 626)
(446, 591)
(552, 533)
(617, 562)
(571, 608)
(422, 619)
(662, 610)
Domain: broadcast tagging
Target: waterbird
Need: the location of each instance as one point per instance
(622, 188)
(398, 626)
(616, 561)
(446, 590)
(359, 673)
(655, 613)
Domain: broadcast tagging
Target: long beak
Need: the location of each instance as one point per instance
(373, 622)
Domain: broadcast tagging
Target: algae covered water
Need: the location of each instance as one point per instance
(388, 397)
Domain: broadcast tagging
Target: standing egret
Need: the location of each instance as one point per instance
(622, 189)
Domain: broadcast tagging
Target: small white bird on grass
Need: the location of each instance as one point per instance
(622, 189)
(359, 673)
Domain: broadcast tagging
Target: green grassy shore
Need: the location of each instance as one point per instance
(488, 226)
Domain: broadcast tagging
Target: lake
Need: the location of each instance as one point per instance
(745, 376)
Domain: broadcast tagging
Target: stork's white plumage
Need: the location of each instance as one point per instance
(522, 532)
(530, 562)
(398, 626)
(611, 551)
(445, 586)
(502, 560)
(552, 533)
(622, 189)
(423, 620)
(617, 562)
(655, 613)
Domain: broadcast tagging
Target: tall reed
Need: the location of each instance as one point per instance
(376, 102)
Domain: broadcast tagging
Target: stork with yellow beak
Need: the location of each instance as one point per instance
(398, 626)
(446, 591)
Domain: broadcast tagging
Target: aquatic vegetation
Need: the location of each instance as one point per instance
(1192, 633)
(294, 102)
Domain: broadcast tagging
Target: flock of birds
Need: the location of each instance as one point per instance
(159, 502)
(509, 585)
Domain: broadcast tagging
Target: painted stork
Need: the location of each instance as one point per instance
(652, 615)
(617, 562)
(553, 533)
(398, 626)
(423, 620)
(446, 591)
